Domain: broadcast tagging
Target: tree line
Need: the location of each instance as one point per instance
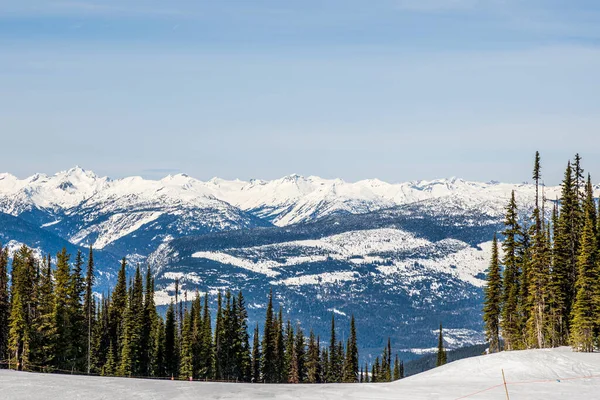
(545, 289)
(52, 321)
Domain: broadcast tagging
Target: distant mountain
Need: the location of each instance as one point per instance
(401, 257)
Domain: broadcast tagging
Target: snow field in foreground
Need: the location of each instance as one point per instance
(532, 374)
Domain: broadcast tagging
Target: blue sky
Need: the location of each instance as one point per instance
(394, 89)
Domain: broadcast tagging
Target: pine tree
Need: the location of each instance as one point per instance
(279, 348)
(536, 177)
(118, 304)
(137, 324)
(511, 330)
(256, 356)
(351, 362)
(566, 249)
(78, 337)
(243, 357)
(289, 350)
(89, 306)
(313, 362)
(22, 308)
(149, 329)
(441, 353)
(186, 366)
(585, 308)
(171, 351)
(333, 376)
(269, 366)
(539, 291)
(4, 303)
(62, 312)
(300, 355)
(396, 368)
(206, 347)
(493, 300)
(109, 368)
(44, 323)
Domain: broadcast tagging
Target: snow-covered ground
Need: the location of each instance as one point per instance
(532, 374)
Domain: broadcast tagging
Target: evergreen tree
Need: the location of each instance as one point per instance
(186, 366)
(299, 359)
(22, 310)
(313, 362)
(536, 177)
(396, 368)
(333, 366)
(351, 362)
(585, 309)
(441, 353)
(4, 303)
(566, 249)
(78, 329)
(538, 292)
(279, 347)
(206, 347)
(289, 350)
(493, 300)
(44, 324)
(118, 304)
(89, 306)
(243, 357)
(256, 357)
(511, 329)
(171, 350)
(109, 368)
(269, 366)
(62, 312)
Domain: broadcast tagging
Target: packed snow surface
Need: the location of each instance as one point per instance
(532, 374)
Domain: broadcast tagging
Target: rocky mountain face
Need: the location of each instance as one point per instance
(401, 257)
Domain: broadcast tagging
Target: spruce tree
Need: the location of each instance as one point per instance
(22, 310)
(351, 361)
(118, 304)
(441, 353)
(313, 363)
(78, 331)
(585, 308)
(269, 366)
(300, 356)
(256, 356)
(4, 303)
(493, 301)
(511, 330)
(62, 312)
(170, 346)
(396, 368)
(44, 323)
(333, 376)
(206, 345)
(89, 306)
(186, 366)
(566, 249)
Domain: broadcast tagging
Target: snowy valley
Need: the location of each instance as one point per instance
(416, 251)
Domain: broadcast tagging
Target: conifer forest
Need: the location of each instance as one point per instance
(543, 282)
(52, 321)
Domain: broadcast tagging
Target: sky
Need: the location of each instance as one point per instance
(391, 89)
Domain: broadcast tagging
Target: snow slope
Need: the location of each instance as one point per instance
(532, 374)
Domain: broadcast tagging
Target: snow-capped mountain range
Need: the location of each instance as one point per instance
(415, 252)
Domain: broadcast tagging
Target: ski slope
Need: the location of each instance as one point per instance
(533, 374)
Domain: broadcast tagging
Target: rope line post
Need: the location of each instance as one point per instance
(505, 387)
